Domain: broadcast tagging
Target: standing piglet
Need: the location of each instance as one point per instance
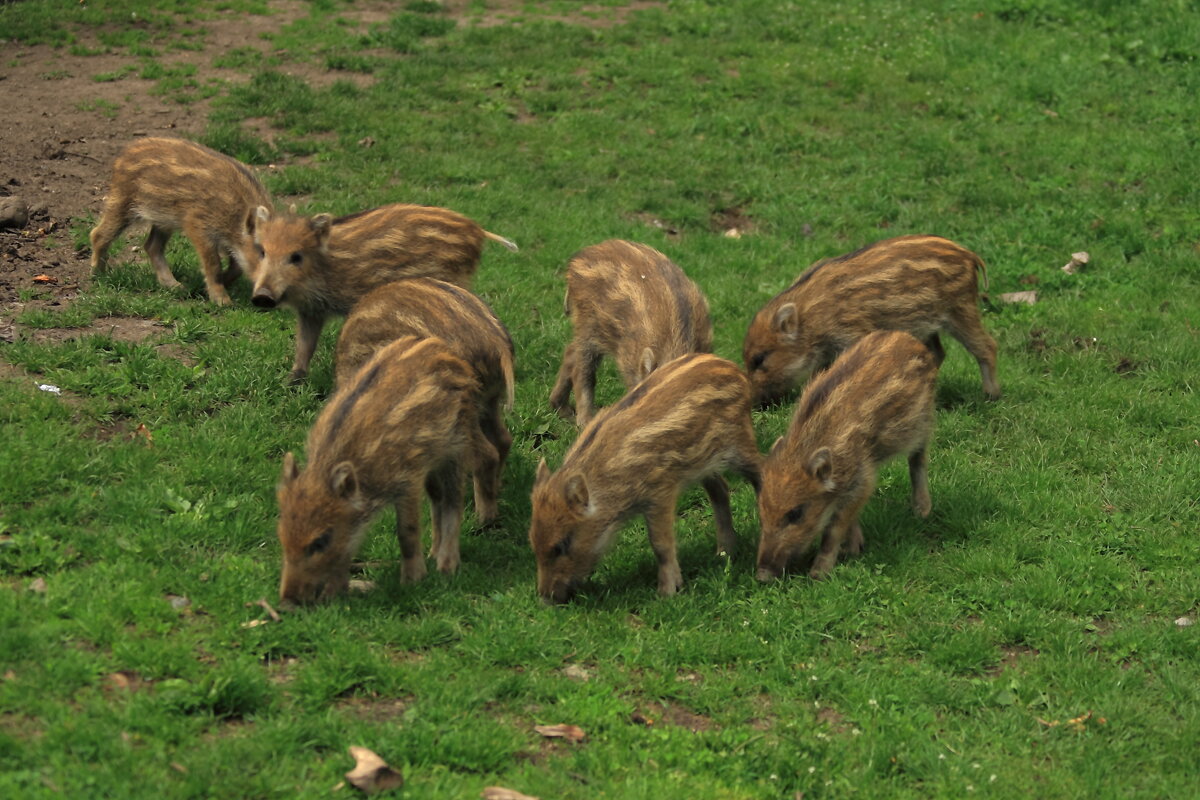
(688, 421)
(628, 301)
(919, 284)
(179, 185)
(426, 307)
(321, 266)
(874, 403)
(403, 425)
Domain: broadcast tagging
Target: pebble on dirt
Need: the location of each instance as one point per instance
(14, 213)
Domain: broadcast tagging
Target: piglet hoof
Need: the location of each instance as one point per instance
(412, 570)
(448, 565)
(670, 583)
(922, 505)
(296, 377)
(765, 575)
(220, 298)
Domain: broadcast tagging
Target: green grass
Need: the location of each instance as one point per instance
(949, 659)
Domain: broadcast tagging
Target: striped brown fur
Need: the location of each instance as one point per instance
(426, 307)
(630, 302)
(686, 423)
(320, 266)
(404, 424)
(173, 185)
(874, 403)
(920, 284)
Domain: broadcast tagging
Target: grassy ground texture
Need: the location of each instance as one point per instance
(1021, 641)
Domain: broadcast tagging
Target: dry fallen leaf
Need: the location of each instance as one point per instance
(572, 733)
(254, 623)
(577, 672)
(1077, 261)
(38, 585)
(500, 793)
(262, 602)
(357, 585)
(1185, 622)
(142, 430)
(45, 279)
(733, 233)
(1019, 297)
(371, 773)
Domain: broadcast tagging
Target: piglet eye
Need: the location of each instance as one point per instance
(795, 515)
(295, 259)
(319, 544)
(261, 253)
(561, 548)
(757, 362)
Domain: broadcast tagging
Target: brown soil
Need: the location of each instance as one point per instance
(61, 129)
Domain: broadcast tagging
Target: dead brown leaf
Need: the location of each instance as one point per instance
(371, 773)
(577, 672)
(1029, 298)
(262, 603)
(1078, 260)
(500, 793)
(45, 279)
(572, 733)
(38, 585)
(357, 585)
(143, 431)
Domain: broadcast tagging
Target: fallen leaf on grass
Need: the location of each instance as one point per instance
(500, 793)
(38, 585)
(371, 773)
(254, 623)
(1185, 622)
(1077, 261)
(577, 672)
(143, 431)
(638, 718)
(262, 602)
(572, 733)
(45, 279)
(1029, 298)
(10, 675)
(357, 585)
(178, 602)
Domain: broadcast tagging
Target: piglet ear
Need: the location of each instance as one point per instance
(787, 320)
(820, 466)
(321, 224)
(292, 209)
(775, 446)
(577, 494)
(290, 471)
(263, 214)
(343, 482)
(543, 472)
(648, 363)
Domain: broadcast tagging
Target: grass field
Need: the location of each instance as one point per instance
(1023, 641)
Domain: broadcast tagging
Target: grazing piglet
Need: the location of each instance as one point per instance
(403, 424)
(688, 421)
(919, 284)
(631, 302)
(875, 402)
(179, 185)
(320, 266)
(426, 307)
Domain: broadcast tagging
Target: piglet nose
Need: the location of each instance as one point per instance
(765, 575)
(263, 300)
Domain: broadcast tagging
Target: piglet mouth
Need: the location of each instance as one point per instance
(768, 574)
(559, 594)
(262, 300)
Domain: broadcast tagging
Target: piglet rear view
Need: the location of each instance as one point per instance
(874, 403)
(405, 424)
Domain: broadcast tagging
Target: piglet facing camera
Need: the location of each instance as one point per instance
(875, 403)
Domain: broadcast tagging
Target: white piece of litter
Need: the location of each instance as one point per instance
(49, 387)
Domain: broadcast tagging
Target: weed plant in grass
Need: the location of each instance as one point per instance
(1021, 641)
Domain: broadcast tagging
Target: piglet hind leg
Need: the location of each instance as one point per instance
(560, 396)
(660, 523)
(408, 533)
(445, 488)
(308, 331)
(718, 494)
(918, 473)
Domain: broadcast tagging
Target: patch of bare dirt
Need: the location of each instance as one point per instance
(651, 714)
(374, 708)
(515, 12)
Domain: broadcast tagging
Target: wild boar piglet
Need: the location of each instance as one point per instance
(685, 423)
(919, 284)
(427, 307)
(630, 302)
(174, 184)
(405, 424)
(874, 403)
(320, 266)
